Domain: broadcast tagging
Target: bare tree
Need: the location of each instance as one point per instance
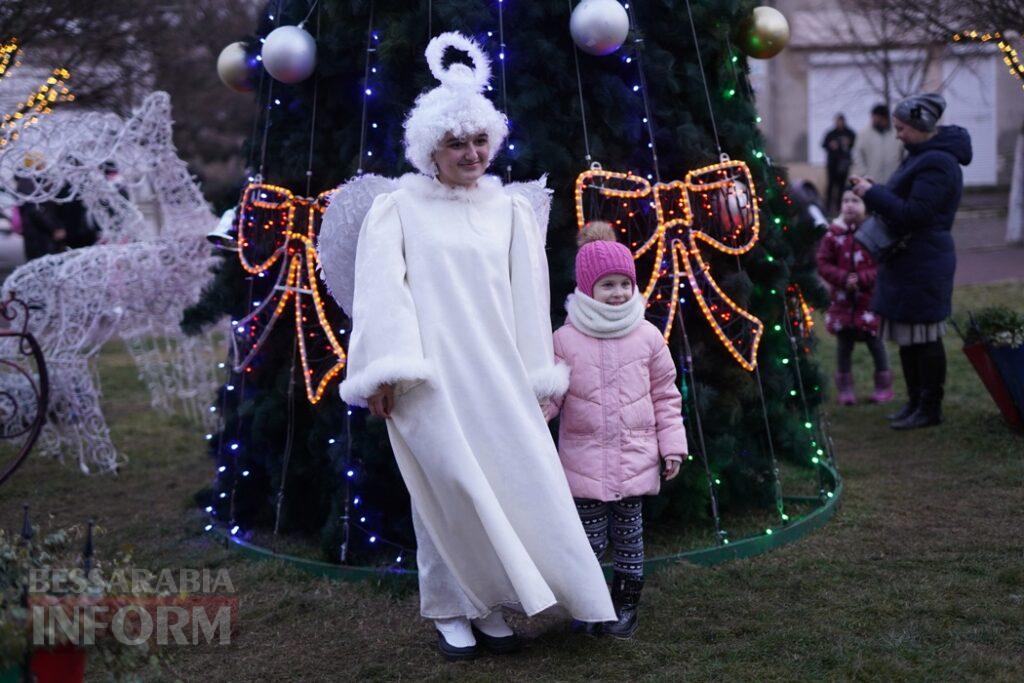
(943, 18)
(120, 50)
(946, 18)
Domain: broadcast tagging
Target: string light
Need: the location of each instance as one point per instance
(723, 188)
(274, 212)
(1010, 57)
(9, 52)
(51, 93)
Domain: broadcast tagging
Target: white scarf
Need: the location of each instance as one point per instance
(604, 321)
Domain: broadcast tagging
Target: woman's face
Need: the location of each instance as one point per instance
(462, 161)
(909, 135)
(613, 290)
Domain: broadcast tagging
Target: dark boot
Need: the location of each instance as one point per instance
(912, 376)
(626, 598)
(928, 413)
(587, 628)
(932, 368)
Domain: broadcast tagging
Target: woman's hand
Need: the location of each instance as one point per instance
(860, 186)
(852, 281)
(382, 401)
(671, 469)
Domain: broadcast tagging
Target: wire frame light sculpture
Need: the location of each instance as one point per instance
(133, 286)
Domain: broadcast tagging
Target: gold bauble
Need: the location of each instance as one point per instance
(764, 34)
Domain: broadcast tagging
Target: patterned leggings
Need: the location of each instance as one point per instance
(625, 531)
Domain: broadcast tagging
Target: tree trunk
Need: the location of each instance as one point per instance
(1015, 215)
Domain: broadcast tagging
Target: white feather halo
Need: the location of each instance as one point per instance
(458, 74)
(457, 106)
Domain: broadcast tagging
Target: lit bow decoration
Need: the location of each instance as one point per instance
(801, 322)
(715, 205)
(277, 228)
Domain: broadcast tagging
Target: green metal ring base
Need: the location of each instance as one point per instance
(734, 550)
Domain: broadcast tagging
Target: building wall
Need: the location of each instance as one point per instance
(782, 86)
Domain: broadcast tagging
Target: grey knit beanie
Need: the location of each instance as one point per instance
(921, 111)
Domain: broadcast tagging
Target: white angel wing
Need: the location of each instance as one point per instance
(339, 233)
(538, 195)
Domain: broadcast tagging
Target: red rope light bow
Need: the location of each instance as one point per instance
(277, 228)
(714, 206)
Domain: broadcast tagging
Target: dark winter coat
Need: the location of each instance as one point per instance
(838, 146)
(920, 201)
(838, 256)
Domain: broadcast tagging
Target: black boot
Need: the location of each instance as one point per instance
(587, 628)
(626, 598)
(912, 376)
(932, 369)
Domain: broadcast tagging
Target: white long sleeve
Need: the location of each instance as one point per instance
(385, 347)
(530, 300)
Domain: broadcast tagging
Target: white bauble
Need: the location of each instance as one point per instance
(732, 207)
(234, 69)
(289, 54)
(599, 27)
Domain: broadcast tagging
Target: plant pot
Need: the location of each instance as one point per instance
(62, 664)
(979, 356)
(1010, 364)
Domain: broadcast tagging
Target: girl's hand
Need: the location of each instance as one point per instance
(382, 401)
(671, 469)
(852, 280)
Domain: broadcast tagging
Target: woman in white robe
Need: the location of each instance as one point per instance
(451, 340)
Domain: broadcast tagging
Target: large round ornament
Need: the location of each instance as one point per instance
(764, 34)
(599, 27)
(234, 69)
(289, 54)
(732, 207)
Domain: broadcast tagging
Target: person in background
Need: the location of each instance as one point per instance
(849, 271)
(838, 144)
(877, 152)
(41, 227)
(914, 289)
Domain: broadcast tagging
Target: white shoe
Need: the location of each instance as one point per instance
(494, 625)
(456, 631)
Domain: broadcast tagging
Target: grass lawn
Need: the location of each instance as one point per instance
(920, 576)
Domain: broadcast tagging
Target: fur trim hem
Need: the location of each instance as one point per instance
(356, 390)
(427, 187)
(553, 381)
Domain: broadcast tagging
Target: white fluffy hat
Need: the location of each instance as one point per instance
(457, 106)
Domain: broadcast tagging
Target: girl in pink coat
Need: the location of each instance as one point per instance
(621, 418)
(849, 271)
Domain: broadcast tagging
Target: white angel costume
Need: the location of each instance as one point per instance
(450, 305)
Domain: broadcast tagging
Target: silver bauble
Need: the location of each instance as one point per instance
(599, 27)
(234, 69)
(289, 54)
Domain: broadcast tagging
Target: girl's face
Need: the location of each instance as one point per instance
(852, 209)
(613, 290)
(462, 161)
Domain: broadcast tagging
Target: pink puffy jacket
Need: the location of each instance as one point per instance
(621, 411)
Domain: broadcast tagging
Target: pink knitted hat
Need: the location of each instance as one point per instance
(601, 257)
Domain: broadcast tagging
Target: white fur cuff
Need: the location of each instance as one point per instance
(357, 389)
(553, 381)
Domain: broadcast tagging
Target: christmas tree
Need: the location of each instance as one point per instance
(670, 100)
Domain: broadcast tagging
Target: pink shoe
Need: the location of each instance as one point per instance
(844, 387)
(883, 387)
